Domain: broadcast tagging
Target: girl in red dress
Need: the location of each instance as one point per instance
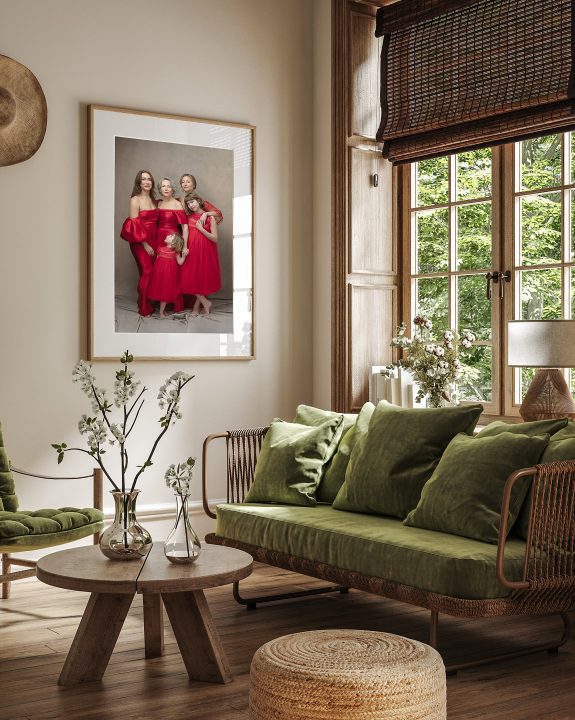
(201, 272)
(172, 219)
(140, 230)
(165, 283)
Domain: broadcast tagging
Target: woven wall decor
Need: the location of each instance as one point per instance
(462, 74)
(23, 112)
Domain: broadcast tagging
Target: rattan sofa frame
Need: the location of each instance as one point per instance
(547, 586)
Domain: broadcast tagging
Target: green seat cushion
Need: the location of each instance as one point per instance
(291, 461)
(334, 471)
(381, 547)
(464, 494)
(535, 427)
(47, 527)
(392, 462)
(8, 499)
(561, 447)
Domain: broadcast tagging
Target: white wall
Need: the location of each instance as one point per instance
(254, 58)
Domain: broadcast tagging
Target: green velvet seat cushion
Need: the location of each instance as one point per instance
(392, 462)
(47, 527)
(535, 427)
(464, 494)
(334, 470)
(381, 547)
(334, 474)
(561, 447)
(8, 499)
(291, 461)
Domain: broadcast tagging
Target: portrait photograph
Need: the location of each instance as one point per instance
(171, 240)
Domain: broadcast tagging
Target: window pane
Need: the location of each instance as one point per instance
(573, 224)
(432, 181)
(527, 375)
(433, 301)
(541, 229)
(474, 236)
(432, 240)
(474, 174)
(541, 162)
(541, 294)
(473, 307)
(476, 374)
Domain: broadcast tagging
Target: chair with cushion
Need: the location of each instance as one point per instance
(25, 530)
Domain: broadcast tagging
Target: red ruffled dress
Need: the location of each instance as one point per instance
(136, 231)
(201, 269)
(165, 282)
(170, 221)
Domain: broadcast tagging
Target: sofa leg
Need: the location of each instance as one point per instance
(5, 570)
(252, 602)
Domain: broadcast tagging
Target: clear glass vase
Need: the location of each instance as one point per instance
(125, 538)
(182, 544)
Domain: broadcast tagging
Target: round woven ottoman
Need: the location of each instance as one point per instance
(346, 675)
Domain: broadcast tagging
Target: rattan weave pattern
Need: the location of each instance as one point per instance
(457, 75)
(348, 675)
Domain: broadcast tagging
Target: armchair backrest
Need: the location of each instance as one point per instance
(8, 499)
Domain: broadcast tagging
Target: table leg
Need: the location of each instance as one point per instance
(95, 638)
(153, 625)
(197, 636)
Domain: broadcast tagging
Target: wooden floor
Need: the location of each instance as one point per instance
(38, 623)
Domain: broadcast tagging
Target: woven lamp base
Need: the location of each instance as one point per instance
(548, 396)
(347, 675)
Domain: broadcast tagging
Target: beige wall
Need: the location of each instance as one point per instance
(255, 58)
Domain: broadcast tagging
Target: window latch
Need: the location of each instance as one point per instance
(495, 277)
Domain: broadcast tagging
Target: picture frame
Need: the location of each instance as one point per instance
(144, 292)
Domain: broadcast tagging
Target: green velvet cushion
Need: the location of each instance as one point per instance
(561, 447)
(535, 427)
(377, 546)
(47, 527)
(464, 494)
(7, 490)
(334, 475)
(391, 463)
(309, 415)
(291, 461)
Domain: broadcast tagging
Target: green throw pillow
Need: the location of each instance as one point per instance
(309, 415)
(561, 447)
(464, 494)
(291, 461)
(334, 474)
(392, 462)
(535, 427)
(7, 489)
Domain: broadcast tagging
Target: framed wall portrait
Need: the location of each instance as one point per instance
(171, 208)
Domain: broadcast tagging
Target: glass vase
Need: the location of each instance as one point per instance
(125, 538)
(182, 544)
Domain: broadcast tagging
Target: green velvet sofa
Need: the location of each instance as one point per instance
(442, 572)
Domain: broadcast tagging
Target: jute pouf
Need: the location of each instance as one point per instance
(346, 675)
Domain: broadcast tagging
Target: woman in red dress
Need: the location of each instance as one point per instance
(172, 219)
(201, 274)
(188, 184)
(165, 283)
(140, 230)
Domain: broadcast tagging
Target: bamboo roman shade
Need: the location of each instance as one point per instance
(461, 74)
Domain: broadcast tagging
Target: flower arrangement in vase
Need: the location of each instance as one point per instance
(125, 538)
(182, 544)
(434, 363)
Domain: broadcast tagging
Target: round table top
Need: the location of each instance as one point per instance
(87, 569)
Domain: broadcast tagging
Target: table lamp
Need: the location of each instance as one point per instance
(549, 345)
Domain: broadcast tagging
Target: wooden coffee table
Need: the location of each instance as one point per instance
(113, 584)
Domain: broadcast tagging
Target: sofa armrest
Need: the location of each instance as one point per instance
(550, 547)
(242, 450)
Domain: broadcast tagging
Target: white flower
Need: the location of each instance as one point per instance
(428, 324)
(443, 364)
(82, 373)
(430, 349)
(179, 477)
(466, 343)
(439, 351)
(448, 335)
(97, 434)
(116, 431)
(448, 345)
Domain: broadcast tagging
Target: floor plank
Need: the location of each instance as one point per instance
(38, 623)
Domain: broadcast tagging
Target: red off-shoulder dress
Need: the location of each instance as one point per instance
(136, 231)
(165, 282)
(201, 269)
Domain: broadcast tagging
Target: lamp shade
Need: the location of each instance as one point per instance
(541, 343)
